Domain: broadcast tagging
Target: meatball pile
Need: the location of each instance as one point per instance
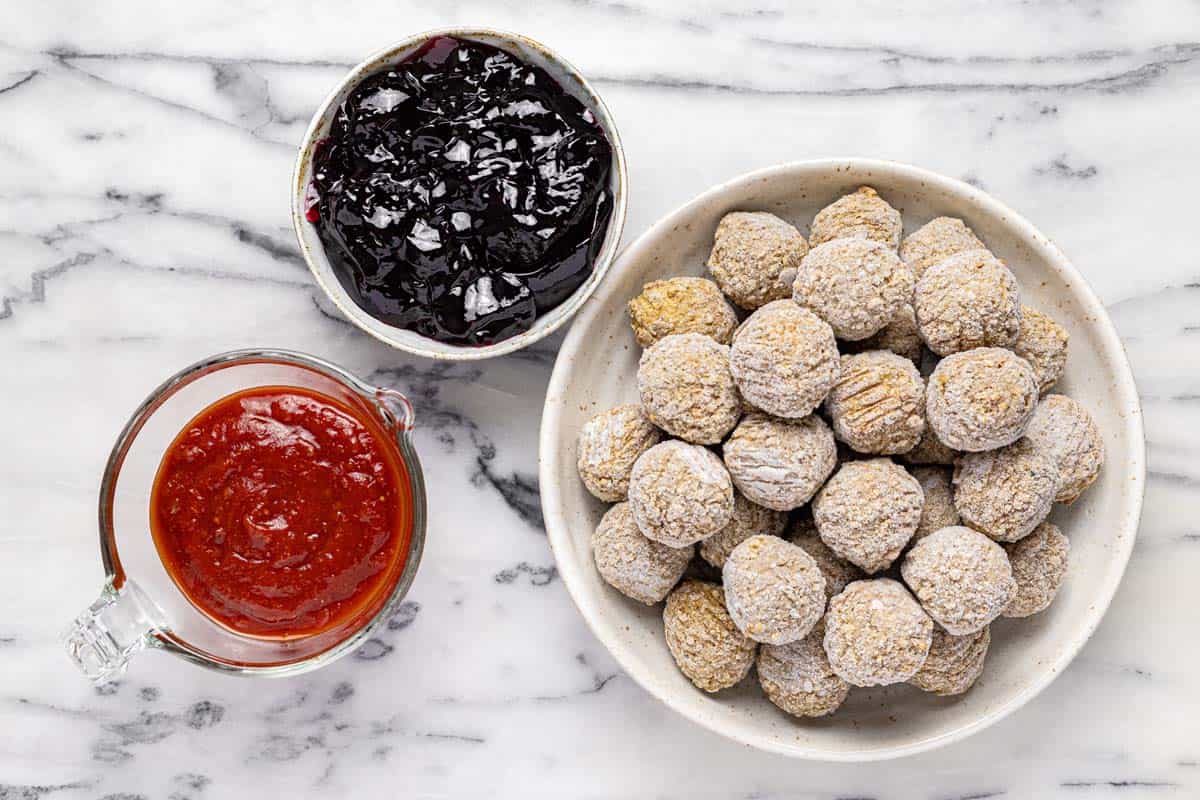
(842, 459)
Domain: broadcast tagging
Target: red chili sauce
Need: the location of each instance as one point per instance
(282, 513)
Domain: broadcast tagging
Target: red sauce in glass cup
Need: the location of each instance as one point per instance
(283, 513)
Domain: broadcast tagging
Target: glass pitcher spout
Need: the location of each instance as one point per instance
(111, 631)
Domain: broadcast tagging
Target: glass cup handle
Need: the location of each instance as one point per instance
(111, 631)
(396, 409)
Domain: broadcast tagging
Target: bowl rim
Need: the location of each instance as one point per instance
(544, 325)
(551, 449)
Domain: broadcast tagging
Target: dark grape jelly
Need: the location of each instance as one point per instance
(462, 193)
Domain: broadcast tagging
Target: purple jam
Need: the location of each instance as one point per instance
(462, 193)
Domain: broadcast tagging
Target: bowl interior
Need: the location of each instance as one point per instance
(314, 251)
(596, 370)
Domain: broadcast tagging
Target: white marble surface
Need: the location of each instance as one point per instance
(144, 160)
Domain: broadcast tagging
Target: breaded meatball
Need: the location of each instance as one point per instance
(856, 285)
(680, 493)
(755, 256)
(980, 399)
(862, 214)
(961, 577)
(609, 443)
(774, 590)
(954, 662)
(749, 519)
(900, 336)
(876, 633)
(1063, 428)
(868, 511)
(784, 359)
(681, 305)
(1005, 493)
(635, 566)
(968, 300)
(797, 676)
(1039, 562)
(938, 511)
(687, 389)
(779, 463)
(706, 645)
(838, 572)
(936, 241)
(878, 403)
(1043, 343)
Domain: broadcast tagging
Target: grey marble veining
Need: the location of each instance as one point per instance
(144, 165)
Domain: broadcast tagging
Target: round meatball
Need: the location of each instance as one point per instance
(968, 300)
(930, 449)
(777, 463)
(981, 399)
(862, 214)
(899, 336)
(784, 359)
(938, 511)
(755, 256)
(1005, 493)
(954, 662)
(936, 241)
(856, 285)
(635, 566)
(749, 518)
(878, 403)
(681, 305)
(1039, 562)
(687, 389)
(1043, 343)
(706, 645)
(797, 676)
(876, 633)
(961, 577)
(868, 511)
(1063, 428)
(680, 493)
(609, 443)
(774, 590)
(838, 573)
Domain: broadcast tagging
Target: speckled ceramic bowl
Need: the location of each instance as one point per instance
(314, 252)
(596, 370)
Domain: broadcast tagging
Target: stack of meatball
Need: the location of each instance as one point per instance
(866, 460)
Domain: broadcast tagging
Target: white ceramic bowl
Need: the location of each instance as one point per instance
(596, 369)
(314, 251)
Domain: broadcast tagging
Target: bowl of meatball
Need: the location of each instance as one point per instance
(844, 461)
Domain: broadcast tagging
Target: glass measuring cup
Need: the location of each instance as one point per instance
(140, 605)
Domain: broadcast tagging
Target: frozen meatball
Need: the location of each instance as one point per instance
(900, 336)
(706, 645)
(876, 633)
(981, 399)
(687, 389)
(1043, 343)
(748, 519)
(681, 305)
(838, 573)
(968, 300)
(954, 662)
(680, 493)
(778, 463)
(868, 511)
(878, 403)
(609, 443)
(797, 676)
(856, 285)
(936, 241)
(755, 256)
(784, 359)
(938, 511)
(1005, 493)
(635, 566)
(774, 590)
(961, 577)
(1039, 562)
(1065, 430)
(863, 214)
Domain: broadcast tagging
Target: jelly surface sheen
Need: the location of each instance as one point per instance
(461, 193)
(281, 513)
